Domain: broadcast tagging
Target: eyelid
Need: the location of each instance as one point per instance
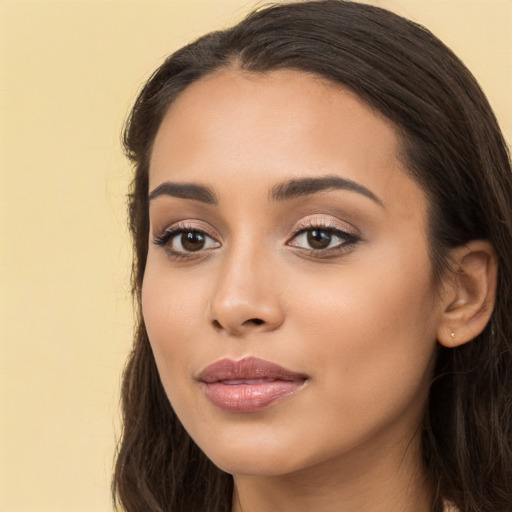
(188, 225)
(316, 222)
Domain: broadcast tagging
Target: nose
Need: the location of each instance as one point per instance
(245, 298)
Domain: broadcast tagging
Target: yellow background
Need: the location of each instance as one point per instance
(69, 71)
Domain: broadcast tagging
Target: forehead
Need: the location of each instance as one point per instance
(257, 128)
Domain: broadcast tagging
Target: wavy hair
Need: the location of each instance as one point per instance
(452, 146)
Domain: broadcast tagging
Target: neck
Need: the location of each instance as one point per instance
(390, 480)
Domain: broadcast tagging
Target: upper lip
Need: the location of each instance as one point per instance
(247, 368)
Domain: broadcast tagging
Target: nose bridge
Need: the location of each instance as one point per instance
(245, 297)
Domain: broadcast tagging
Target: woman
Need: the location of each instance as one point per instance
(323, 228)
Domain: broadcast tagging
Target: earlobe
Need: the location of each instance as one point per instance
(470, 293)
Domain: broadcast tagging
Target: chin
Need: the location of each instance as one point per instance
(260, 456)
(255, 465)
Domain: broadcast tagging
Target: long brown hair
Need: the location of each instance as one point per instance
(452, 146)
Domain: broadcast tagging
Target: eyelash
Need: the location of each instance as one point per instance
(164, 239)
(349, 240)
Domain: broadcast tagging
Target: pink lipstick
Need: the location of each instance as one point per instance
(249, 384)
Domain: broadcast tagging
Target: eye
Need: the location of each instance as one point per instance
(319, 238)
(183, 241)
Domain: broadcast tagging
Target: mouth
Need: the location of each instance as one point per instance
(249, 384)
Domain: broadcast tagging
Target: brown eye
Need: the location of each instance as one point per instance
(179, 241)
(324, 241)
(192, 241)
(319, 239)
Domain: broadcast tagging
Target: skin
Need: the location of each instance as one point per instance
(359, 319)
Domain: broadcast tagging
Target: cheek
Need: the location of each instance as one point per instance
(378, 295)
(170, 311)
(371, 336)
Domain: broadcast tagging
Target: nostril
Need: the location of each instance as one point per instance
(255, 321)
(237, 327)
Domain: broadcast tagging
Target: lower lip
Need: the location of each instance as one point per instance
(250, 397)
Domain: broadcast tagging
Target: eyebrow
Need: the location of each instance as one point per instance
(283, 191)
(307, 186)
(185, 191)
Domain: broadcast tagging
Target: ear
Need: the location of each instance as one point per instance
(469, 293)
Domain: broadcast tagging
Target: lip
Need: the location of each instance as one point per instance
(248, 384)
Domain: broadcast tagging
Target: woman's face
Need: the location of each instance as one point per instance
(284, 231)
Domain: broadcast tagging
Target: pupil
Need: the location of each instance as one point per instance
(192, 241)
(319, 239)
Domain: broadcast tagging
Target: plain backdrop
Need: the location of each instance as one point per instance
(69, 71)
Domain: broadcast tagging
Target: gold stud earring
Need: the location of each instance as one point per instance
(452, 334)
